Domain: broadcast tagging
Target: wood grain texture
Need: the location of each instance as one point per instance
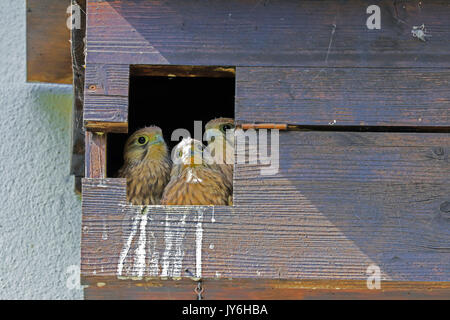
(355, 199)
(225, 289)
(339, 203)
(106, 113)
(106, 79)
(267, 33)
(182, 71)
(344, 96)
(106, 97)
(48, 46)
(95, 165)
(78, 58)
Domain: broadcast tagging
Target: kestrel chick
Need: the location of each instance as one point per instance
(221, 145)
(194, 180)
(147, 166)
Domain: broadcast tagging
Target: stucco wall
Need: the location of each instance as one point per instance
(40, 215)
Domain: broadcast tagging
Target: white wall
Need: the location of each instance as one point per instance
(40, 215)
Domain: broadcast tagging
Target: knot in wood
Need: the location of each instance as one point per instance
(445, 207)
(439, 151)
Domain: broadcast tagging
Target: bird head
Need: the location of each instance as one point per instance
(220, 136)
(145, 144)
(218, 127)
(190, 153)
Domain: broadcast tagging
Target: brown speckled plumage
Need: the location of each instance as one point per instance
(221, 125)
(147, 166)
(195, 184)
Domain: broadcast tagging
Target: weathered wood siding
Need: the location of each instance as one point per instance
(289, 57)
(417, 97)
(340, 201)
(106, 97)
(266, 33)
(78, 68)
(228, 289)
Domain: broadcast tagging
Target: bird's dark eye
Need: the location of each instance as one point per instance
(142, 140)
(180, 154)
(226, 127)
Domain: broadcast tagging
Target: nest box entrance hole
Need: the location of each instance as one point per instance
(173, 97)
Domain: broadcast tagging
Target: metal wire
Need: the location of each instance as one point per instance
(199, 290)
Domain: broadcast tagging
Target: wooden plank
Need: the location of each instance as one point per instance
(339, 203)
(106, 79)
(48, 46)
(78, 58)
(225, 289)
(106, 97)
(355, 199)
(106, 113)
(182, 71)
(267, 33)
(344, 96)
(95, 155)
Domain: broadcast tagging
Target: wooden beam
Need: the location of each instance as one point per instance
(106, 97)
(182, 71)
(109, 80)
(113, 288)
(344, 96)
(48, 42)
(78, 58)
(268, 33)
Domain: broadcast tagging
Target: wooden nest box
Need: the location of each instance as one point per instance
(362, 187)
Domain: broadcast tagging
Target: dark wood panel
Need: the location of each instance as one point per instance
(255, 33)
(182, 71)
(106, 79)
(339, 203)
(48, 42)
(78, 59)
(106, 113)
(106, 97)
(355, 195)
(344, 96)
(356, 157)
(112, 288)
